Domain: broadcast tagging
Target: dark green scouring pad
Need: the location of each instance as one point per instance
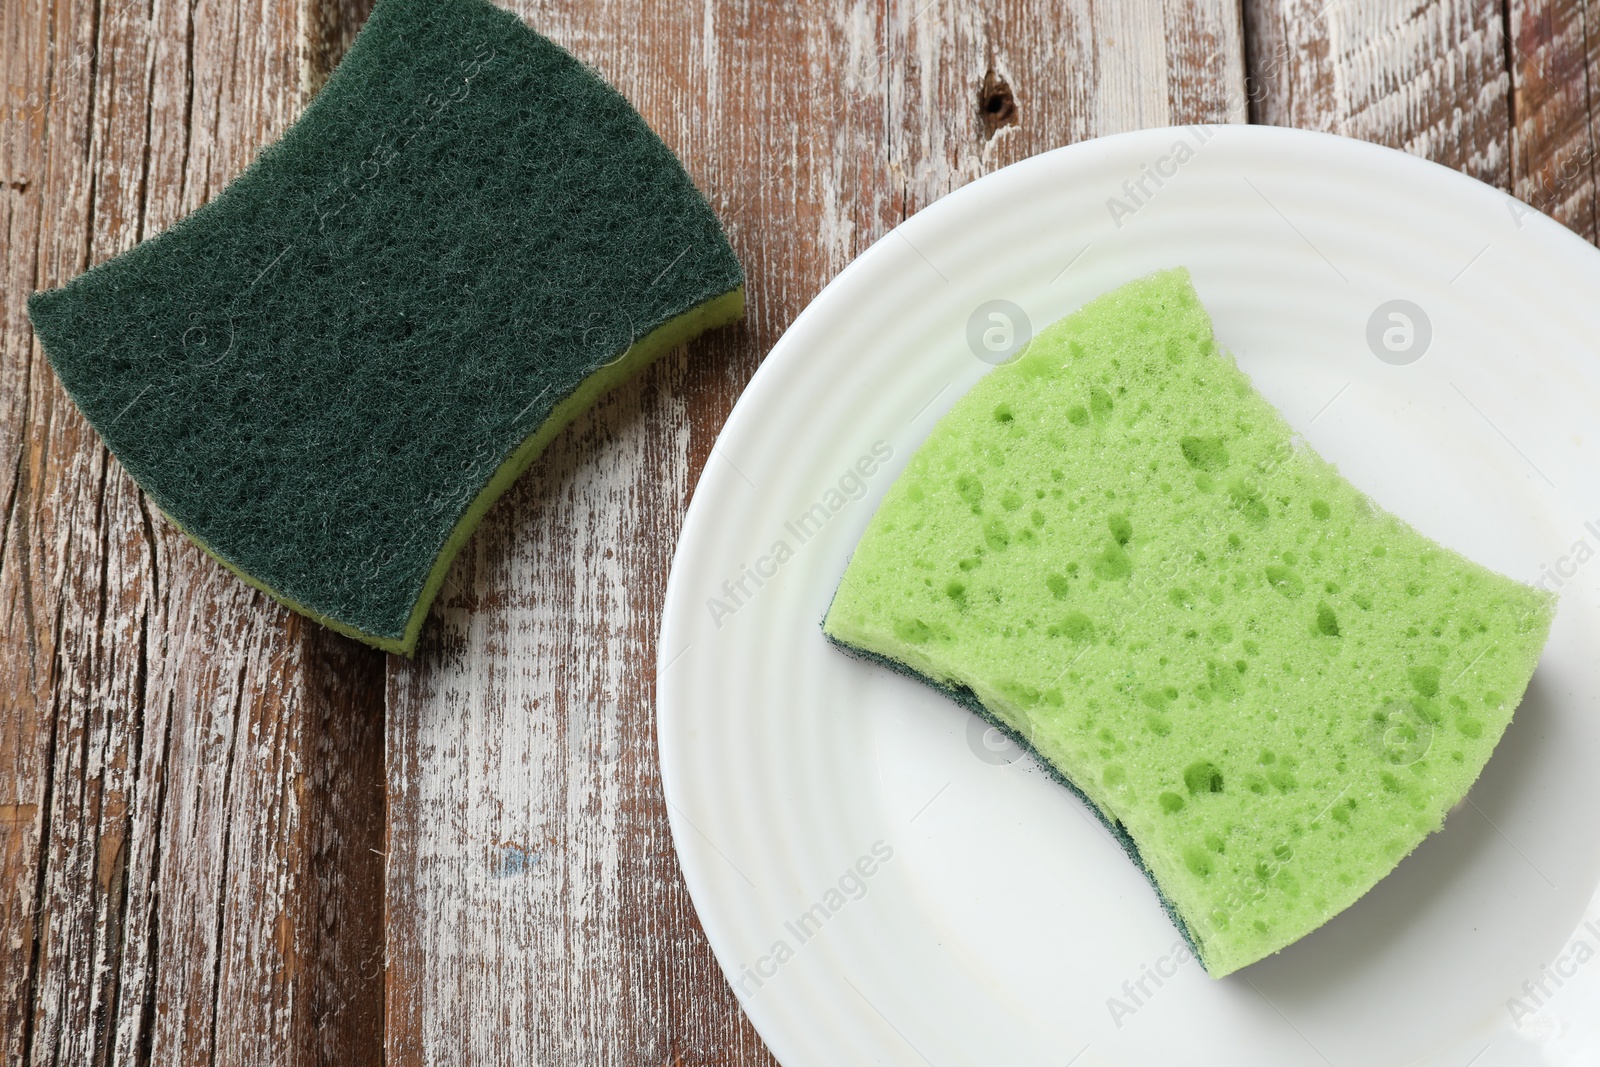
(329, 373)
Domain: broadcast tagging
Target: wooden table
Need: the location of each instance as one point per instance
(228, 836)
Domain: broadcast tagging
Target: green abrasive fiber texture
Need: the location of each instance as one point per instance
(1270, 688)
(326, 374)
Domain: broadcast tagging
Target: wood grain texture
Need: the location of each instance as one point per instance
(1554, 60)
(190, 780)
(1427, 78)
(193, 783)
(1505, 92)
(536, 911)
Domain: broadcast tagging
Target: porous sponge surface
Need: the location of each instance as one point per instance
(1273, 687)
(325, 374)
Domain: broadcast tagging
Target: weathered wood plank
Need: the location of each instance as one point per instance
(186, 839)
(1554, 52)
(536, 911)
(1505, 92)
(1430, 79)
(190, 781)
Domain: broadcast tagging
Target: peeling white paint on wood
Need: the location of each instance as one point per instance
(190, 805)
(166, 812)
(1554, 57)
(1429, 79)
(536, 910)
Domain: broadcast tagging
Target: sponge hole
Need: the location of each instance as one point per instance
(1202, 776)
(970, 489)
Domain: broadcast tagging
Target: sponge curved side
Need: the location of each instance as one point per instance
(720, 311)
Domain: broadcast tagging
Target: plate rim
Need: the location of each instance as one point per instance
(678, 602)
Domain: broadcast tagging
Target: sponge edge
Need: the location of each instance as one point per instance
(721, 311)
(327, 375)
(1115, 549)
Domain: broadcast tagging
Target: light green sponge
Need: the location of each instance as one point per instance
(1117, 550)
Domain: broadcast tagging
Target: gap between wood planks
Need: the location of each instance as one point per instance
(1502, 91)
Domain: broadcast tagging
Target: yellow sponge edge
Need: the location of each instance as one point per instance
(719, 311)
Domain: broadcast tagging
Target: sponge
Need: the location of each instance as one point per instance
(328, 374)
(1115, 549)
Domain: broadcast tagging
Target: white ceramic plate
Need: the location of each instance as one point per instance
(883, 882)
